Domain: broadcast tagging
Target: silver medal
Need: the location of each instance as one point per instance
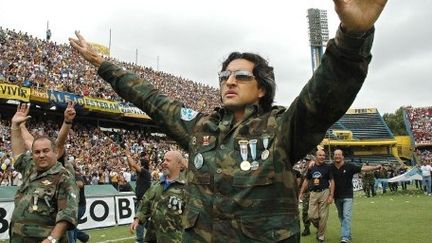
(265, 154)
(252, 146)
(198, 161)
(169, 202)
(254, 165)
(179, 207)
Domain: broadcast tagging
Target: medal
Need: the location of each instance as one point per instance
(169, 202)
(265, 154)
(35, 200)
(198, 161)
(244, 165)
(179, 208)
(254, 165)
(252, 146)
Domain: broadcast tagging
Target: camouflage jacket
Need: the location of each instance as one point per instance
(42, 200)
(162, 211)
(228, 204)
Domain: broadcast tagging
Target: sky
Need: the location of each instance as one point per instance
(191, 38)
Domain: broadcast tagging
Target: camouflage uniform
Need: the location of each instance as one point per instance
(42, 201)
(163, 210)
(368, 183)
(305, 203)
(227, 204)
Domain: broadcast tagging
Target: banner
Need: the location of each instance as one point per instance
(14, 92)
(413, 174)
(101, 105)
(100, 212)
(131, 111)
(6, 209)
(40, 96)
(125, 209)
(61, 99)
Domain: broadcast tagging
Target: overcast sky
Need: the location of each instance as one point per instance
(192, 38)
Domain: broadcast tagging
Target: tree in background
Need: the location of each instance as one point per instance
(395, 122)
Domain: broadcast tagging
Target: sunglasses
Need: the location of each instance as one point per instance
(239, 75)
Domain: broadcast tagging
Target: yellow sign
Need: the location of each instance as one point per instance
(362, 111)
(101, 105)
(41, 96)
(14, 92)
(100, 48)
(132, 111)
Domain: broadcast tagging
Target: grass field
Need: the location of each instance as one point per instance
(402, 217)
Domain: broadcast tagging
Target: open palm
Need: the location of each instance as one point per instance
(359, 15)
(21, 114)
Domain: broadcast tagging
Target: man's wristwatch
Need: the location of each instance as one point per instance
(52, 239)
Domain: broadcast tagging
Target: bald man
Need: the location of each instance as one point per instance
(163, 204)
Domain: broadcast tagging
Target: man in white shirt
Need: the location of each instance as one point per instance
(426, 170)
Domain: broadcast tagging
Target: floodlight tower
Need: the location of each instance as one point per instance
(318, 34)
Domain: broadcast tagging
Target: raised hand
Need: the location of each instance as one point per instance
(85, 50)
(70, 113)
(21, 115)
(358, 16)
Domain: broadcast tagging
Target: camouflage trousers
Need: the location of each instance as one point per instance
(25, 239)
(23, 233)
(305, 209)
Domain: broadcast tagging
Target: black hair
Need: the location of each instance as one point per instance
(263, 73)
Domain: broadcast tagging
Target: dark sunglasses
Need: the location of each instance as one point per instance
(239, 75)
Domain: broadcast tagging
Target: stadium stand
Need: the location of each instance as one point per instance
(363, 126)
(418, 122)
(364, 136)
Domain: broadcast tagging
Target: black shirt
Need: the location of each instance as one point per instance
(143, 182)
(82, 199)
(319, 177)
(343, 179)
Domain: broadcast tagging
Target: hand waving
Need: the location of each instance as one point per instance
(85, 50)
(358, 16)
(21, 114)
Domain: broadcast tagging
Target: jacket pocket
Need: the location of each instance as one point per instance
(189, 219)
(270, 227)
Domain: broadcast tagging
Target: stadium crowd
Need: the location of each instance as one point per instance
(44, 65)
(31, 62)
(420, 120)
(105, 165)
(421, 124)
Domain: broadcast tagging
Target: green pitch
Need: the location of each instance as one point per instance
(401, 217)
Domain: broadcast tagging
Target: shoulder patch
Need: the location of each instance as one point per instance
(187, 114)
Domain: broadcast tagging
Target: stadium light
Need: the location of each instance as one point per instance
(318, 34)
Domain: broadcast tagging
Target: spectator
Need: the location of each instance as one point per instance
(163, 204)
(320, 183)
(343, 174)
(143, 183)
(426, 171)
(54, 193)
